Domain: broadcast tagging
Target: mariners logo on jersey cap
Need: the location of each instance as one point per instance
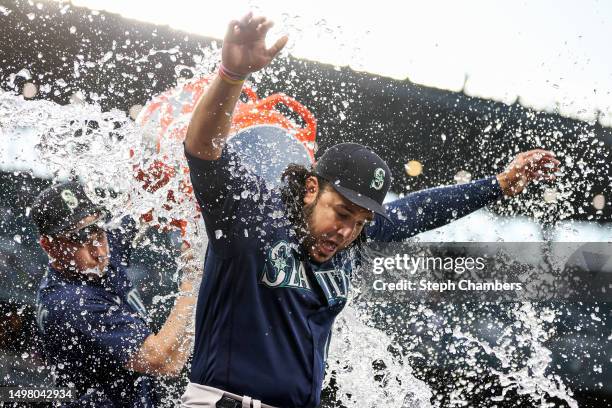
(357, 173)
(59, 208)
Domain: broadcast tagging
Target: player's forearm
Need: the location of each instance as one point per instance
(212, 119)
(167, 351)
(176, 333)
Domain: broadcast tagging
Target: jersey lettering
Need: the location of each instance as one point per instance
(299, 278)
(134, 300)
(283, 270)
(335, 284)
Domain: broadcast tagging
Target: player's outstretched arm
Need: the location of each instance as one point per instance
(244, 51)
(432, 208)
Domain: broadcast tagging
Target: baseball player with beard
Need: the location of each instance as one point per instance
(279, 262)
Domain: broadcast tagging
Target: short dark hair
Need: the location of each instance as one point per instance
(293, 191)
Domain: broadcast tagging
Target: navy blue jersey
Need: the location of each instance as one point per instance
(265, 312)
(91, 329)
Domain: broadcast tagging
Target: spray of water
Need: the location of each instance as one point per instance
(371, 367)
(101, 148)
(367, 368)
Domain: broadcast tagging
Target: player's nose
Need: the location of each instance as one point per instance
(345, 231)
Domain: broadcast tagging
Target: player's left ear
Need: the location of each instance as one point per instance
(312, 190)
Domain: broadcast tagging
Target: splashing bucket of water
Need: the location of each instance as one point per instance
(266, 138)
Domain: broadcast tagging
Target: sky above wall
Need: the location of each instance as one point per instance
(550, 55)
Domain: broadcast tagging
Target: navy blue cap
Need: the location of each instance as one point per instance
(60, 208)
(357, 173)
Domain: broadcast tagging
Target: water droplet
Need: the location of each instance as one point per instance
(550, 195)
(29, 90)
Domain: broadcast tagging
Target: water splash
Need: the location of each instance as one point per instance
(104, 148)
(528, 376)
(366, 371)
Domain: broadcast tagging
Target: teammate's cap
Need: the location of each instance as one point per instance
(61, 207)
(357, 173)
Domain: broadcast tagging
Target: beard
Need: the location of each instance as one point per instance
(310, 243)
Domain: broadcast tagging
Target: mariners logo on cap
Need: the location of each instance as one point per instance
(379, 179)
(71, 201)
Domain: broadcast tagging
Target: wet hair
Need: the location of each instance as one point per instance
(293, 191)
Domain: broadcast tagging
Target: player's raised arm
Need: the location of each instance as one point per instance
(244, 51)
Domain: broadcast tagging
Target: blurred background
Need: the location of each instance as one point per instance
(445, 92)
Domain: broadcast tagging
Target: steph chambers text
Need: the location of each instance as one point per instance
(446, 286)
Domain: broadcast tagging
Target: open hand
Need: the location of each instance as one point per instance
(244, 47)
(528, 166)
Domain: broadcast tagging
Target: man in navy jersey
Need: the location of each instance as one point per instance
(279, 262)
(93, 323)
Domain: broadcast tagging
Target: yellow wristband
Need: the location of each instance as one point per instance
(231, 81)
